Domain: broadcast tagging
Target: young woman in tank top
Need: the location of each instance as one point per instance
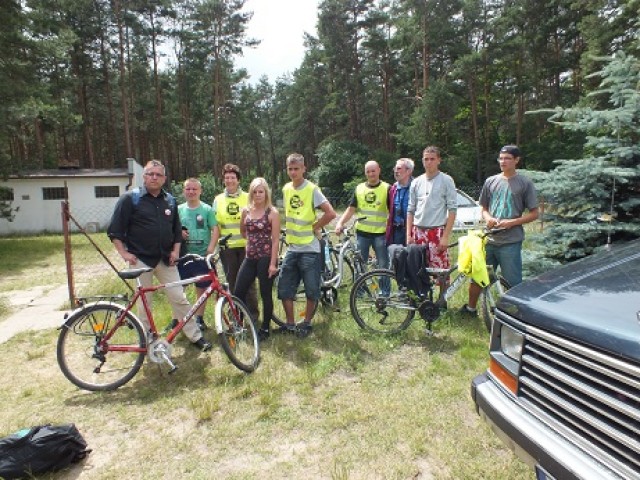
(260, 225)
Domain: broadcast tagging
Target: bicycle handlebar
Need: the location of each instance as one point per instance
(222, 242)
(210, 258)
(489, 231)
(348, 231)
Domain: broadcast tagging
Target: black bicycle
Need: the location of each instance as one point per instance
(379, 303)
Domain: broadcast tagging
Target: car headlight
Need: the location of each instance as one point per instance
(505, 356)
(511, 342)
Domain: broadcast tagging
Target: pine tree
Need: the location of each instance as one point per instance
(596, 199)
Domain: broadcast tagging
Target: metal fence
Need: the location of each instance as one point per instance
(340, 198)
(92, 261)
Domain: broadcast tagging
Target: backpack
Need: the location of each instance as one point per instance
(135, 196)
(408, 264)
(45, 448)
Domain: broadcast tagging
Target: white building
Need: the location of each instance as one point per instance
(92, 194)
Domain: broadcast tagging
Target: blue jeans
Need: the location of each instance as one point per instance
(379, 246)
(509, 258)
(298, 266)
(399, 236)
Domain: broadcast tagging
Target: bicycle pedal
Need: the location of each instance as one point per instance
(172, 369)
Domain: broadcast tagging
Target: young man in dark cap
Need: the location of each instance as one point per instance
(504, 198)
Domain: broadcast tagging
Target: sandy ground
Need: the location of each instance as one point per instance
(34, 309)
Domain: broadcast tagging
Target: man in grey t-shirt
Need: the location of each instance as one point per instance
(431, 212)
(504, 199)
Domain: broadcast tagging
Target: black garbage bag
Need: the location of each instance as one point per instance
(45, 448)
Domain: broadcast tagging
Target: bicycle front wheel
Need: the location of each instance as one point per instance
(222, 278)
(489, 299)
(237, 333)
(378, 305)
(90, 365)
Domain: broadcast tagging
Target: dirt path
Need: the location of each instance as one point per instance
(34, 309)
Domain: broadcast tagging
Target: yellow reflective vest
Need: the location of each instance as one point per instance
(372, 203)
(228, 215)
(299, 213)
(472, 259)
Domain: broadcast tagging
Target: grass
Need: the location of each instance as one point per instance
(31, 261)
(341, 404)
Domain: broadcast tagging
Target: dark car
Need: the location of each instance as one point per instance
(563, 384)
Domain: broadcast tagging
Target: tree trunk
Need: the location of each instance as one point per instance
(111, 143)
(124, 94)
(426, 54)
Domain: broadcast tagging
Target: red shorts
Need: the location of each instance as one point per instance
(431, 237)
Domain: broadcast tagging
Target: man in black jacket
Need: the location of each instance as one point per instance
(146, 231)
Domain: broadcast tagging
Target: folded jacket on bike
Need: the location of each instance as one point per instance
(409, 265)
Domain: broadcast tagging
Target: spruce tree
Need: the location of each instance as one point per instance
(594, 200)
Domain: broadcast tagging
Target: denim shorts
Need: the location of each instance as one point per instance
(509, 258)
(298, 266)
(193, 269)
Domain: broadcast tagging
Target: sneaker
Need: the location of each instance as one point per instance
(304, 330)
(263, 334)
(287, 328)
(200, 323)
(202, 345)
(467, 312)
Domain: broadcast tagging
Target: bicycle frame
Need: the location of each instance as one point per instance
(140, 294)
(346, 246)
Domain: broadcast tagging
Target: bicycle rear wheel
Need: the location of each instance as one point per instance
(378, 305)
(237, 333)
(299, 307)
(90, 366)
(489, 299)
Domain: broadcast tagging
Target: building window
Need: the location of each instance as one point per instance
(111, 191)
(6, 194)
(53, 193)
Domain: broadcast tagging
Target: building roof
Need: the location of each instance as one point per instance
(73, 173)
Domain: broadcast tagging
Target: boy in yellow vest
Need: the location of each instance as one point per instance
(302, 260)
(228, 211)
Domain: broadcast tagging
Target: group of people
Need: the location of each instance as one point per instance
(149, 229)
(422, 211)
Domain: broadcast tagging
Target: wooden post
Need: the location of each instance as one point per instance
(67, 252)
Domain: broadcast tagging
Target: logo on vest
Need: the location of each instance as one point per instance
(233, 208)
(370, 197)
(296, 202)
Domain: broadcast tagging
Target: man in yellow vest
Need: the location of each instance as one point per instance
(302, 260)
(370, 200)
(227, 208)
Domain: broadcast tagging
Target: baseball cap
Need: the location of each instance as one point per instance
(511, 150)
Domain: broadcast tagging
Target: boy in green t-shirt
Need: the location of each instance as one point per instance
(198, 219)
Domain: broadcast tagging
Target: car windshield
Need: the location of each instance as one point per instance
(465, 201)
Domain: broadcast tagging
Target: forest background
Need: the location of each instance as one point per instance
(90, 83)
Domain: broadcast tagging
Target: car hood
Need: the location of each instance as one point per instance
(595, 301)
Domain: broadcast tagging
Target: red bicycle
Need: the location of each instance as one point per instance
(102, 345)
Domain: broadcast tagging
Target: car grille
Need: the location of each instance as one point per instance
(588, 396)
